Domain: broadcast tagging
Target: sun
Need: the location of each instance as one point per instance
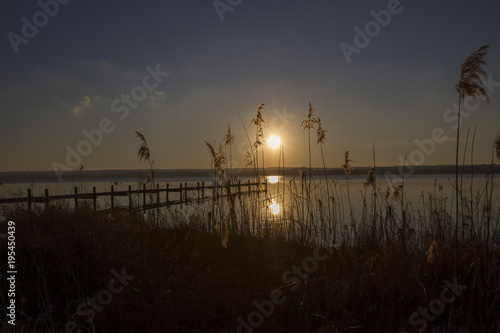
(274, 141)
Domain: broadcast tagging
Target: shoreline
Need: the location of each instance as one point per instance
(50, 176)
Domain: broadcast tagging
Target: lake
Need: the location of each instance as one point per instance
(415, 186)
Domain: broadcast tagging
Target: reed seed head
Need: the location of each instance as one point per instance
(397, 193)
(310, 122)
(497, 147)
(220, 162)
(348, 168)
(371, 178)
(471, 71)
(321, 133)
(249, 160)
(259, 120)
(211, 150)
(228, 138)
(144, 152)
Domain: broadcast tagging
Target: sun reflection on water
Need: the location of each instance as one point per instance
(273, 179)
(274, 207)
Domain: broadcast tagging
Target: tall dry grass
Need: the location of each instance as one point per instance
(191, 275)
(469, 85)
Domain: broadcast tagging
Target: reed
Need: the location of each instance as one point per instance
(469, 85)
(348, 168)
(144, 154)
(321, 139)
(228, 141)
(259, 121)
(213, 156)
(308, 125)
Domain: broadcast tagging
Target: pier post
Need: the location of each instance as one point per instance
(168, 190)
(130, 205)
(217, 191)
(158, 198)
(76, 198)
(180, 194)
(29, 199)
(47, 198)
(144, 196)
(112, 197)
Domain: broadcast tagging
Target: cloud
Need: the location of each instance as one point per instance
(85, 103)
(155, 95)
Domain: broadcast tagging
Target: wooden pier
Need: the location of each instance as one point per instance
(146, 198)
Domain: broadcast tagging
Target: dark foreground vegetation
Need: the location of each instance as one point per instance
(134, 273)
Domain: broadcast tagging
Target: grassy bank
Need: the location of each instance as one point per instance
(177, 275)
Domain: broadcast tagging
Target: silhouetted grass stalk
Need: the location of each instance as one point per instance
(469, 85)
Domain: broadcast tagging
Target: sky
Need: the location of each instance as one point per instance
(80, 77)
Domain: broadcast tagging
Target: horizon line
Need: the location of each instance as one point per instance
(260, 168)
